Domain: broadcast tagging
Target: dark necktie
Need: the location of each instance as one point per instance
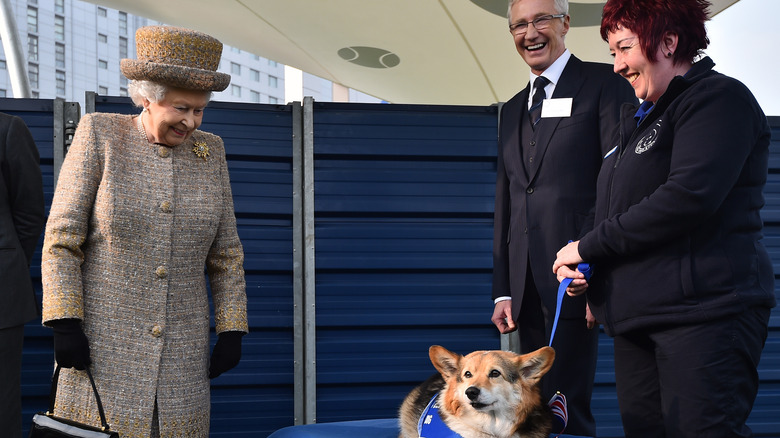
(536, 103)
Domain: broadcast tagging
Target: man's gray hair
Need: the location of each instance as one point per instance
(561, 7)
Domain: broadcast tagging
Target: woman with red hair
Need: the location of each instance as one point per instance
(680, 279)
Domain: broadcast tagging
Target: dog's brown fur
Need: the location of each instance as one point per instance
(485, 394)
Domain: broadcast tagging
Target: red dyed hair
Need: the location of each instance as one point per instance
(652, 19)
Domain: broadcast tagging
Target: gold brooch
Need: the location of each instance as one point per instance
(201, 150)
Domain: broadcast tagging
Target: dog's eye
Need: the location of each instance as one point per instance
(467, 374)
(495, 373)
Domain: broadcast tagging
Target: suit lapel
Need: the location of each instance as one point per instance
(568, 86)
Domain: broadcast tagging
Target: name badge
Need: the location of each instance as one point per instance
(560, 107)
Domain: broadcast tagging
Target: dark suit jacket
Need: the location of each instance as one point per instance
(536, 214)
(21, 220)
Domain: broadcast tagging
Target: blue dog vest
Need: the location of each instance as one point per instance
(431, 425)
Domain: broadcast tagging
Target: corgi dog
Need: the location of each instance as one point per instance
(485, 394)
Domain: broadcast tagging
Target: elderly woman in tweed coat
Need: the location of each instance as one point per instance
(143, 205)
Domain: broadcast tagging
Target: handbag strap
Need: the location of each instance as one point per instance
(53, 395)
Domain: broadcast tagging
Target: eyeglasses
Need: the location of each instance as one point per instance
(539, 23)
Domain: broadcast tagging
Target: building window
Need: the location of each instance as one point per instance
(254, 96)
(102, 12)
(123, 91)
(272, 99)
(272, 63)
(235, 49)
(102, 38)
(235, 69)
(103, 91)
(59, 28)
(2, 64)
(273, 82)
(59, 55)
(2, 93)
(32, 48)
(122, 47)
(59, 6)
(32, 75)
(32, 19)
(122, 81)
(60, 78)
(123, 23)
(255, 75)
(235, 90)
(102, 64)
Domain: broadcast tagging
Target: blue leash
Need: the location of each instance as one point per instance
(585, 269)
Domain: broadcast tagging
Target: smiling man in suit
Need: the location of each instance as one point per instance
(552, 137)
(21, 222)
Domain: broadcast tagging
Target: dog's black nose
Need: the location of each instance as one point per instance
(472, 392)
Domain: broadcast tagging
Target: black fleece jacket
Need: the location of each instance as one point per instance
(678, 225)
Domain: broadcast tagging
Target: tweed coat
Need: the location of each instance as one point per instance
(131, 228)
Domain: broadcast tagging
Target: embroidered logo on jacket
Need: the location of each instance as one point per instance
(648, 140)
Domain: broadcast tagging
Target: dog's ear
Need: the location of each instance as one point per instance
(445, 361)
(536, 364)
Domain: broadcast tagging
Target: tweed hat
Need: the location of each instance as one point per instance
(176, 57)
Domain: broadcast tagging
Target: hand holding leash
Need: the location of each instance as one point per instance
(568, 256)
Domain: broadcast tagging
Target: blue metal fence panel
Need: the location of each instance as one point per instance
(403, 226)
(403, 220)
(403, 199)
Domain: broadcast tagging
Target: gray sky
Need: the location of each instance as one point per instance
(745, 44)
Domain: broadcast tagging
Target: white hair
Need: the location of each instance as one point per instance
(561, 7)
(138, 90)
(151, 91)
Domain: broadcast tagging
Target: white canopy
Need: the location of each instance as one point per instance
(403, 51)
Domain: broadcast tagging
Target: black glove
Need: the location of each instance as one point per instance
(71, 347)
(226, 354)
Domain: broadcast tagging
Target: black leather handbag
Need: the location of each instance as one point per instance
(46, 425)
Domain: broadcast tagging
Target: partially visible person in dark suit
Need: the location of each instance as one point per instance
(549, 156)
(681, 278)
(21, 222)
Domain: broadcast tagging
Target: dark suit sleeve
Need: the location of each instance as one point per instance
(501, 227)
(25, 188)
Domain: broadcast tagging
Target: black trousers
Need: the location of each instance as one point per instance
(11, 340)
(576, 351)
(698, 380)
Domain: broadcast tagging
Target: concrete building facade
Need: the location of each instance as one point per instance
(72, 46)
